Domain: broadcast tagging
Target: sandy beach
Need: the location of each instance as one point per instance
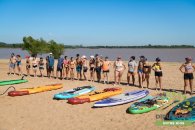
(41, 112)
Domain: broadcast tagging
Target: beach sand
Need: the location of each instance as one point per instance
(41, 112)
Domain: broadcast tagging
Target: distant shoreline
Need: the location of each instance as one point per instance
(19, 45)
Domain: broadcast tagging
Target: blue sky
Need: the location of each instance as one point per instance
(99, 22)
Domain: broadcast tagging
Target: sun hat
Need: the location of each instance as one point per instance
(50, 53)
(92, 56)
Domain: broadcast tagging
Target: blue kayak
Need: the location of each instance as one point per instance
(183, 111)
(122, 98)
(74, 92)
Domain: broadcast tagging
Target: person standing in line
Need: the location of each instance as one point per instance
(66, 67)
(188, 71)
(47, 65)
(119, 68)
(85, 68)
(106, 69)
(132, 70)
(12, 64)
(72, 64)
(35, 65)
(28, 66)
(59, 67)
(146, 72)
(51, 65)
(19, 64)
(79, 67)
(92, 68)
(157, 67)
(41, 66)
(98, 67)
(140, 71)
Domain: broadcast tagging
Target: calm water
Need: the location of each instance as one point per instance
(170, 55)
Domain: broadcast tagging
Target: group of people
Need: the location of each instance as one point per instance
(99, 65)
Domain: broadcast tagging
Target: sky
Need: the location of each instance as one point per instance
(99, 22)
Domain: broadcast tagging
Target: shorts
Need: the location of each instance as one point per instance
(12, 65)
(34, 67)
(98, 70)
(158, 74)
(130, 72)
(59, 69)
(85, 69)
(19, 63)
(79, 68)
(106, 71)
(41, 67)
(50, 68)
(140, 71)
(188, 76)
(27, 67)
(92, 69)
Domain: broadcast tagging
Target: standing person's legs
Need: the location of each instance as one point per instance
(140, 75)
(133, 79)
(147, 80)
(191, 85)
(185, 85)
(160, 82)
(156, 83)
(107, 77)
(128, 78)
(115, 76)
(119, 77)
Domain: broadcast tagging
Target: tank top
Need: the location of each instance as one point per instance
(157, 68)
(119, 65)
(188, 67)
(105, 65)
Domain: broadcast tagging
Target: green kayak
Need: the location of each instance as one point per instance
(148, 104)
(10, 82)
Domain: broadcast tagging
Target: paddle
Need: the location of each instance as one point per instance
(175, 101)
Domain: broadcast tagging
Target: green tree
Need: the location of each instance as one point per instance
(56, 49)
(33, 46)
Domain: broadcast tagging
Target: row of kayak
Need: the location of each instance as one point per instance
(112, 97)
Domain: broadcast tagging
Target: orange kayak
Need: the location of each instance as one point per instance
(27, 91)
(95, 96)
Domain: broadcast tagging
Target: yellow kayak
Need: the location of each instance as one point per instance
(27, 91)
(95, 96)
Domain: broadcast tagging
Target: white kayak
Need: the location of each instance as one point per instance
(122, 98)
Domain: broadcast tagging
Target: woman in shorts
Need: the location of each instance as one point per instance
(188, 69)
(132, 70)
(157, 67)
(41, 66)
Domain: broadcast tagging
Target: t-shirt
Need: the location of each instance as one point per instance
(132, 65)
(60, 62)
(51, 61)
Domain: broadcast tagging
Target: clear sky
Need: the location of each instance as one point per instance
(99, 22)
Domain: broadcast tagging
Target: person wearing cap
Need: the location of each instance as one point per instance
(119, 68)
(12, 64)
(140, 70)
(79, 67)
(59, 67)
(132, 70)
(50, 65)
(188, 69)
(28, 65)
(106, 69)
(157, 68)
(41, 66)
(146, 72)
(92, 68)
(84, 65)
